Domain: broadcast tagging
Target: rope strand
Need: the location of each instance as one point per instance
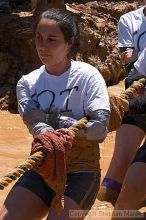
(136, 85)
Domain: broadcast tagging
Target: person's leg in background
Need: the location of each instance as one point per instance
(128, 139)
(133, 192)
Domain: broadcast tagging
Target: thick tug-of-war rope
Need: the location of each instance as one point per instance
(20, 169)
(136, 85)
(33, 160)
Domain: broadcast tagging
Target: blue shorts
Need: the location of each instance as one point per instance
(81, 187)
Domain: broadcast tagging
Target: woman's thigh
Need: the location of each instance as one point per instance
(30, 198)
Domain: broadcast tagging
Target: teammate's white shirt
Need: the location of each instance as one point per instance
(132, 30)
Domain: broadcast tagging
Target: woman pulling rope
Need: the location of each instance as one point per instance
(61, 88)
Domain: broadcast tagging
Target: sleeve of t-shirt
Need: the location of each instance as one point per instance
(26, 104)
(97, 127)
(97, 107)
(125, 36)
(140, 64)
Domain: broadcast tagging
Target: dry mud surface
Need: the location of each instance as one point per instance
(98, 26)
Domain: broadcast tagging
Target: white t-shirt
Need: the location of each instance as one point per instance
(132, 30)
(78, 91)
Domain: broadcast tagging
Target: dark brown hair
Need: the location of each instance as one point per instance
(68, 25)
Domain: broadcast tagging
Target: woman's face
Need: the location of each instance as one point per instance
(50, 43)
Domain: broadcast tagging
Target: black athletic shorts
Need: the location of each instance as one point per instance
(141, 154)
(138, 120)
(81, 187)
